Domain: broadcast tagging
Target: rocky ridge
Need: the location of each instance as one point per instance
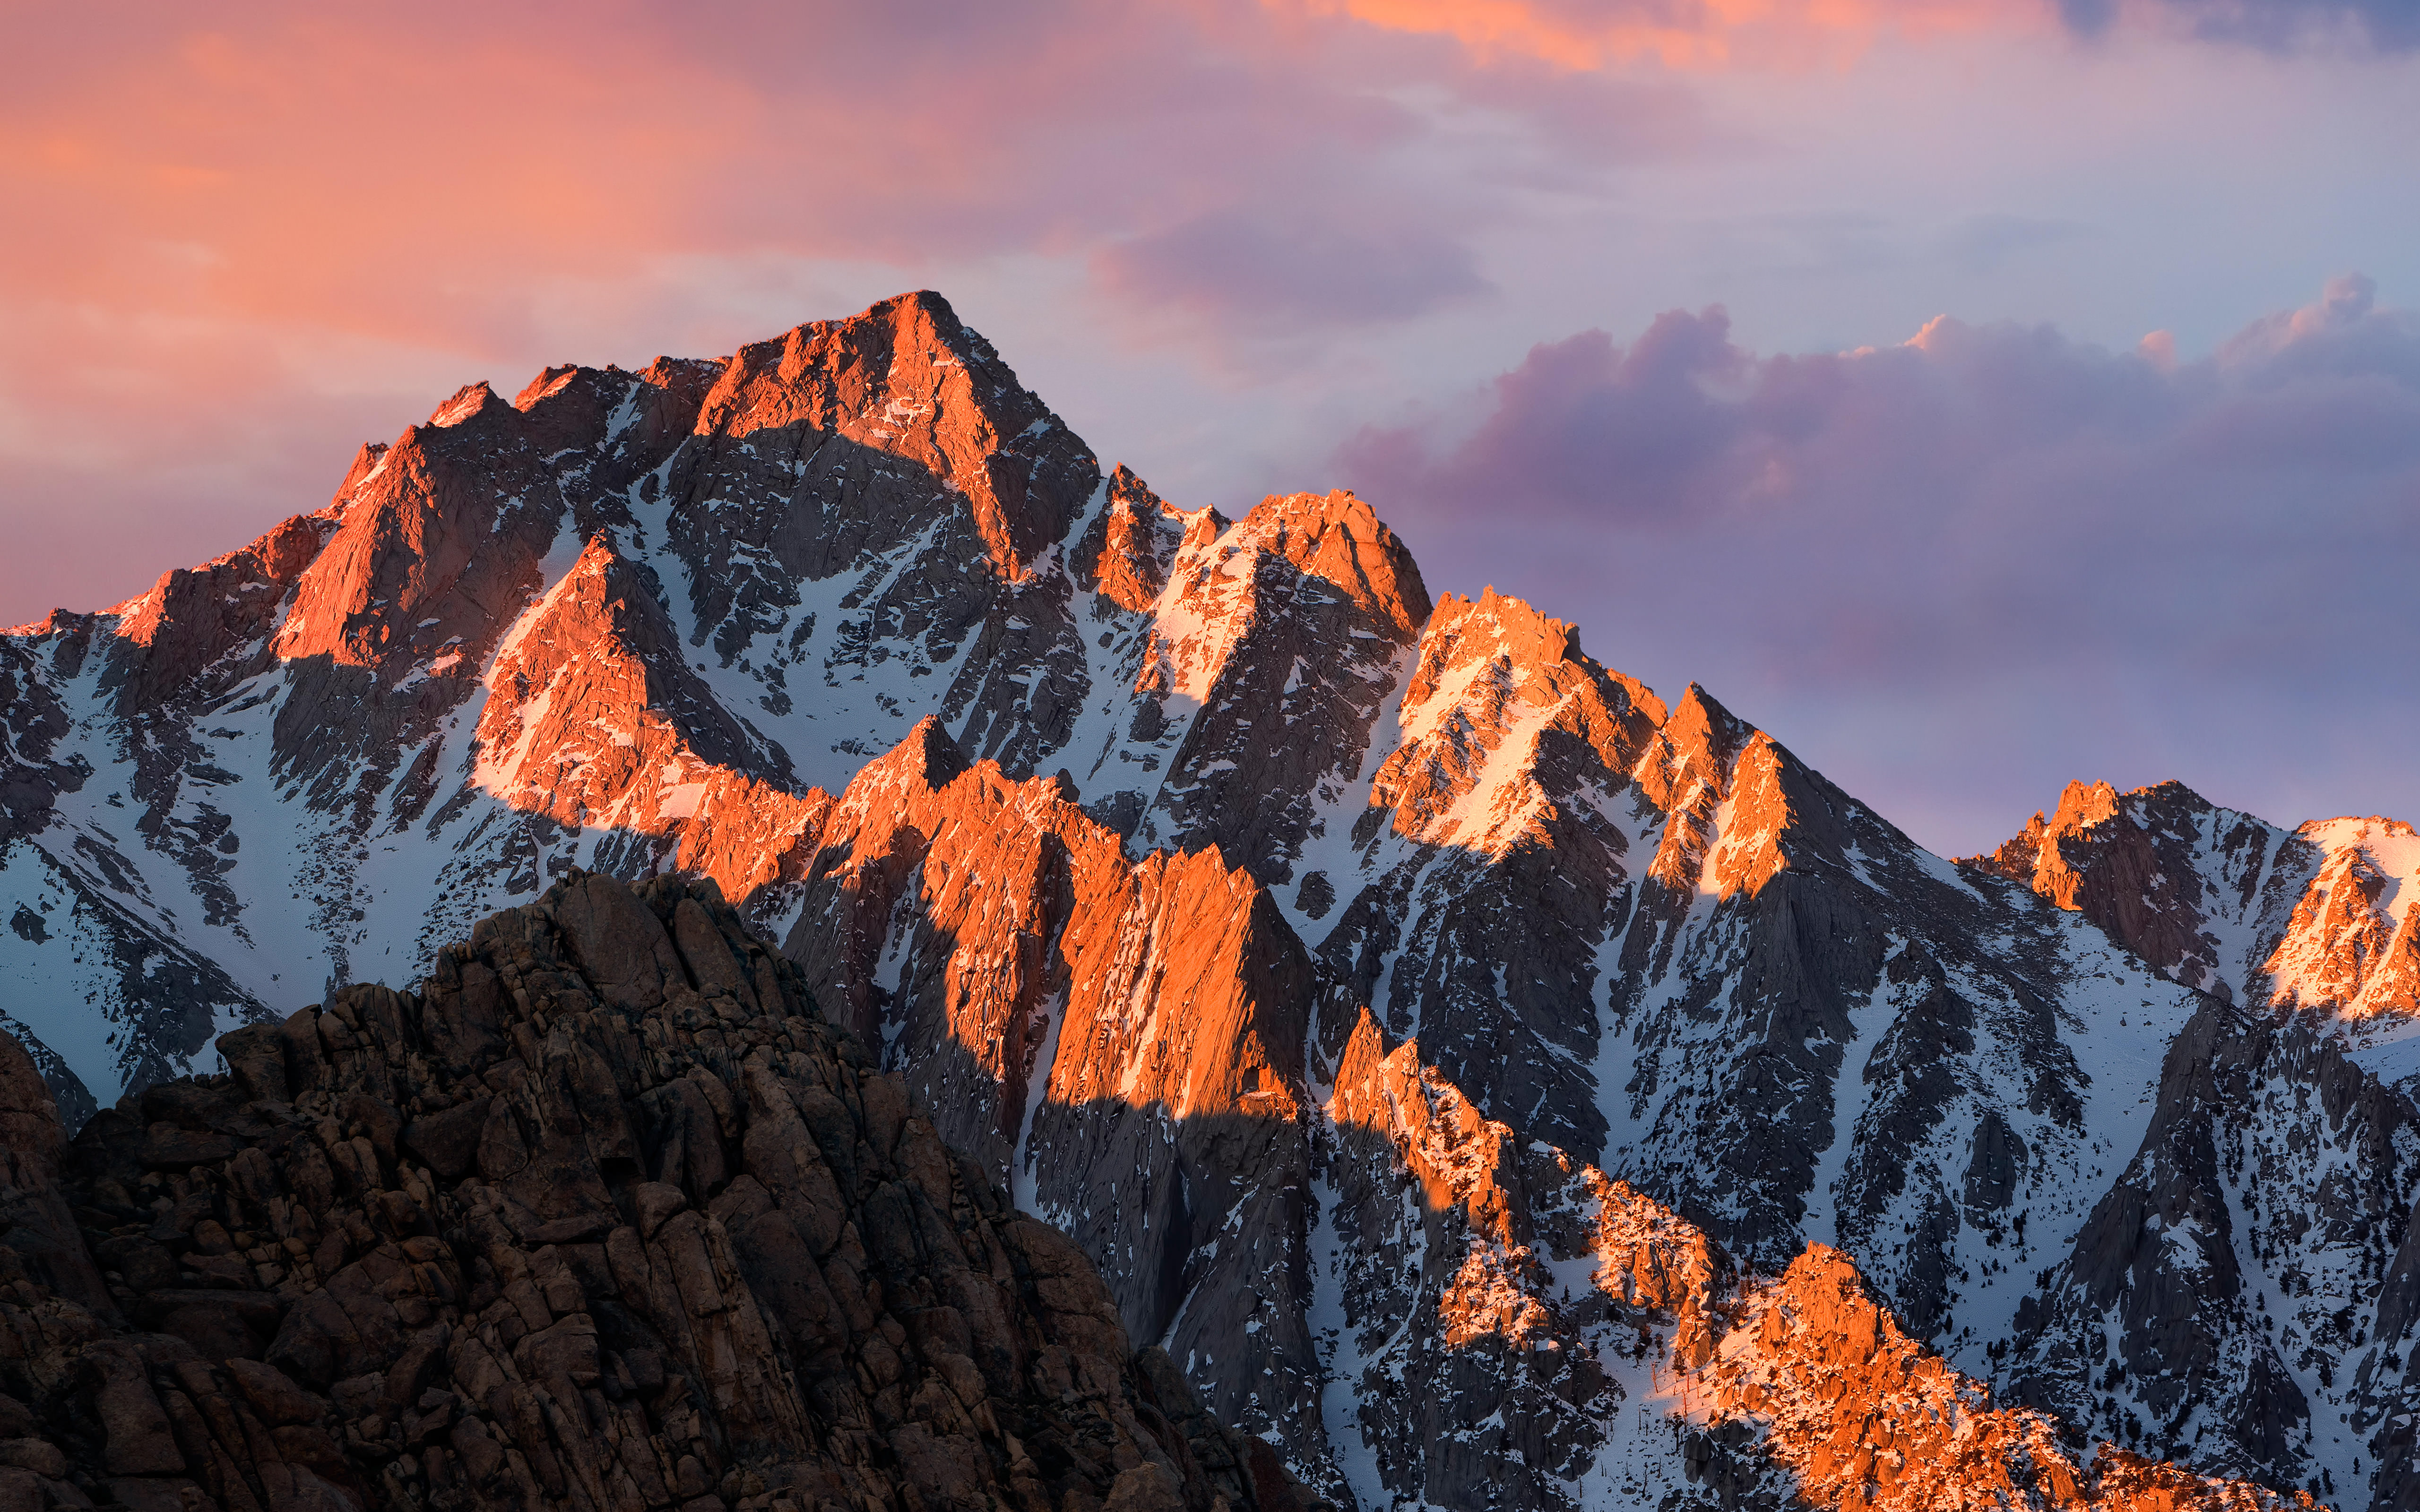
(608, 1214)
(2237, 1297)
(2317, 918)
(604, 1215)
(1177, 812)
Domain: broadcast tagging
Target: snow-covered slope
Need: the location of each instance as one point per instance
(1250, 912)
(625, 620)
(2319, 918)
(2236, 1296)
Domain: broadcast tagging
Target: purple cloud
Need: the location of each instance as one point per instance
(1289, 268)
(2273, 26)
(2030, 557)
(2386, 25)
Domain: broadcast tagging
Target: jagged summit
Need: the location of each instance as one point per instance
(1137, 839)
(2321, 917)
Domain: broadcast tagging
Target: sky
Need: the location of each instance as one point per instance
(1978, 394)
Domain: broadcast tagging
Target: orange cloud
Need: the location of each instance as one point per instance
(236, 232)
(1692, 35)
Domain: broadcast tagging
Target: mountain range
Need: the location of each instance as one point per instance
(1489, 1083)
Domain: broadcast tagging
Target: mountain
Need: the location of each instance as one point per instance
(2243, 1293)
(608, 1213)
(1329, 959)
(2319, 918)
(603, 1215)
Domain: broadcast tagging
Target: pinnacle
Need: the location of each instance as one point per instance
(928, 757)
(547, 381)
(472, 401)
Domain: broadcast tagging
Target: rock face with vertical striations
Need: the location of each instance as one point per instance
(1120, 1040)
(605, 1215)
(2229, 1300)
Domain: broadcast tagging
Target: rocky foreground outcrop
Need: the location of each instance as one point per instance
(605, 1216)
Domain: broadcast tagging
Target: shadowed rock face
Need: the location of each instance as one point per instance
(2136, 875)
(2316, 917)
(1634, 1363)
(1273, 646)
(1118, 1036)
(34, 1223)
(605, 1215)
(2242, 1297)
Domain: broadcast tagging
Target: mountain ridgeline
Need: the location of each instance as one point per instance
(1477, 1082)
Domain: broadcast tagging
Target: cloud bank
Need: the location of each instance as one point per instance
(1991, 545)
(269, 231)
(245, 238)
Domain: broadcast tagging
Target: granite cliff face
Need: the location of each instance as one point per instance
(2240, 1294)
(604, 1215)
(2317, 918)
(2232, 1300)
(1342, 968)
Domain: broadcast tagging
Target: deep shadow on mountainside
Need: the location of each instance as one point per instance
(605, 1216)
(608, 1215)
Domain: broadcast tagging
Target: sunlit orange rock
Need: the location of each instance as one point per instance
(1122, 1040)
(1126, 552)
(1497, 693)
(2323, 908)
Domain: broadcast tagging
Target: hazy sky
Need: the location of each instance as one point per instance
(1975, 395)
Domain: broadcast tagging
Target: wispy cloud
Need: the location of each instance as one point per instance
(1286, 271)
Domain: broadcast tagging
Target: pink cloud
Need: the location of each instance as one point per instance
(1586, 35)
(247, 237)
(244, 239)
(264, 231)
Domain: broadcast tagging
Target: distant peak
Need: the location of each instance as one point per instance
(925, 304)
(1125, 552)
(1700, 711)
(2081, 804)
(928, 757)
(366, 463)
(61, 620)
(548, 381)
(469, 403)
(1338, 535)
(905, 378)
(1340, 506)
(923, 317)
(2173, 792)
(597, 554)
(1126, 486)
(1531, 637)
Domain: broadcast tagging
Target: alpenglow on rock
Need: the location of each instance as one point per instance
(1326, 956)
(605, 1215)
